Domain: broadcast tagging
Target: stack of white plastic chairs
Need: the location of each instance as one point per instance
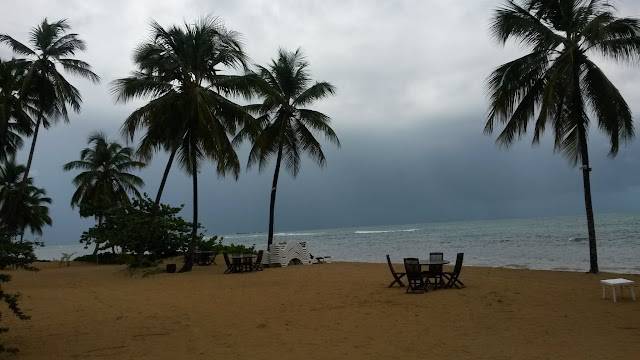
(281, 254)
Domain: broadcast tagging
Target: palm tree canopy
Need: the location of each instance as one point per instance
(15, 121)
(287, 123)
(105, 181)
(179, 71)
(557, 84)
(51, 44)
(21, 208)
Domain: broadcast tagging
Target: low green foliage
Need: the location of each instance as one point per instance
(19, 255)
(106, 258)
(216, 245)
(131, 228)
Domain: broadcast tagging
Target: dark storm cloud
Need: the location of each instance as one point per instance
(409, 111)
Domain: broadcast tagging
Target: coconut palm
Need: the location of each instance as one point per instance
(179, 71)
(288, 125)
(105, 181)
(14, 110)
(21, 206)
(557, 85)
(51, 45)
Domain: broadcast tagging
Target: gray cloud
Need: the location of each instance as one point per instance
(409, 111)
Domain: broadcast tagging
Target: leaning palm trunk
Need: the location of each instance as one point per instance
(163, 183)
(188, 257)
(274, 188)
(591, 228)
(33, 148)
(156, 205)
(95, 251)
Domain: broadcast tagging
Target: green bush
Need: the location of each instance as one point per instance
(106, 259)
(18, 255)
(148, 238)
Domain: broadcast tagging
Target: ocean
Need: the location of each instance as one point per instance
(545, 243)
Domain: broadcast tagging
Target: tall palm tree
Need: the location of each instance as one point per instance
(105, 181)
(21, 206)
(14, 110)
(51, 45)
(187, 115)
(557, 85)
(288, 125)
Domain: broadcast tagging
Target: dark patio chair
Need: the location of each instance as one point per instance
(247, 261)
(435, 271)
(258, 265)
(396, 275)
(228, 263)
(452, 277)
(415, 278)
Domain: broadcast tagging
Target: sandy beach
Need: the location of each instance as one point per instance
(325, 311)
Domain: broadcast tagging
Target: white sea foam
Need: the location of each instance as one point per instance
(383, 231)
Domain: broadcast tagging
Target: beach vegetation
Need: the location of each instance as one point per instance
(557, 85)
(215, 244)
(19, 255)
(180, 71)
(128, 227)
(22, 205)
(289, 127)
(105, 180)
(43, 84)
(15, 121)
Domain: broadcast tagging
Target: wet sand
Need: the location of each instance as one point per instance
(322, 311)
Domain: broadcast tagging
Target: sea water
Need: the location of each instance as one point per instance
(546, 243)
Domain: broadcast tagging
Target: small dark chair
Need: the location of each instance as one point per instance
(435, 271)
(228, 263)
(414, 276)
(396, 275)
(452, 277)
(258, 265)
(247, 262)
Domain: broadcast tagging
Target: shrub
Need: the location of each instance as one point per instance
(17, 255)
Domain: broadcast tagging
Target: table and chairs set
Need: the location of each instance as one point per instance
(241, 263)
(421, 273)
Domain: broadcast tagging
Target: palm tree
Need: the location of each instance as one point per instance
(105, 181)
(14, 118)
(52, 44)
(289, 127)
(21, 206)
(186, 115)
(557, 84)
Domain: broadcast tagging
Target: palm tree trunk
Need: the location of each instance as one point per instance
(33, 148)
(188, 257)
(593, 252)
(95, 251)
(156, 205)
(164, 181)
(274, 188)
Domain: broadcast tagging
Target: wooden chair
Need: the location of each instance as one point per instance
(228, 263)
(435, 271)
(396, 275)
(414, 276)
(452, 277)
(247, 261)
(258, 264)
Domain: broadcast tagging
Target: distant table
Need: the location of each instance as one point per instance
(428, 262)
(242, 262)
(620, 282)
(434, 262)
(204, 257)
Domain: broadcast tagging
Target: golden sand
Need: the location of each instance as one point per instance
(325, 311)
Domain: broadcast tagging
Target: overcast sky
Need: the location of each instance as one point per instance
(409, 111)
